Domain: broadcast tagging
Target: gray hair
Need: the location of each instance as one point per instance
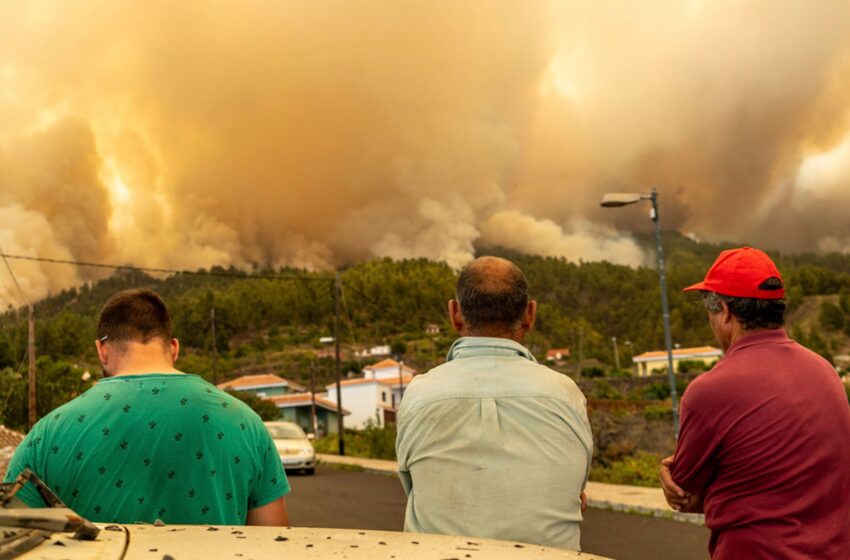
(752, 313)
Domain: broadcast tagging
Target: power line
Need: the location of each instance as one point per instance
(14, 279)
(170, 270)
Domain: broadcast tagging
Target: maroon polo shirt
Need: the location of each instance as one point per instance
(765, 438)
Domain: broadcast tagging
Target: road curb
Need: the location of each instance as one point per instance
(632, 499)
(672, 515)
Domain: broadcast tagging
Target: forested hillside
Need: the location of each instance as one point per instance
(273, 319)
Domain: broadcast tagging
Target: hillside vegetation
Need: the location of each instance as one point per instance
(272, 320)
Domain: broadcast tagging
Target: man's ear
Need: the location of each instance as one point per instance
(102, 352)
(455, 316)
(174, 350)
(529, 316)
(725, 313)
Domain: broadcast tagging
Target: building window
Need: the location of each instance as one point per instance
(383, 396)
(393, 400)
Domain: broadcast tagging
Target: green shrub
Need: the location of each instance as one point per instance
(660, 391)
(620, 373)
(656, 391)
(604, 390)
(372, 442)
(831, 316)
(593, 371)
(657, 412)
(687, 366)
(640, 469)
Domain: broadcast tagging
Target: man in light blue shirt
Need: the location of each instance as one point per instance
(491, 443)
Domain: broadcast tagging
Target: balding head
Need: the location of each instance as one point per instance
(492, 294)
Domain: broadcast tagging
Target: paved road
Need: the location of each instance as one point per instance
(358, 500)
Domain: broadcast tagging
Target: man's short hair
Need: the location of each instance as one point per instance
(752, 313)
(134, 316)
(491, 299)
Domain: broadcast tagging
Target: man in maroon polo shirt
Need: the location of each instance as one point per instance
(764, 444)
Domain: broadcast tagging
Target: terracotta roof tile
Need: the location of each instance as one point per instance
(389, 363)
(304, 398)
(260, 380)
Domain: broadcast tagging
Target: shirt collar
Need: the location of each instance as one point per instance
(772, 336)
(469, 346)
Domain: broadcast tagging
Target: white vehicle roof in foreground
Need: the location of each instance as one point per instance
(180, 542)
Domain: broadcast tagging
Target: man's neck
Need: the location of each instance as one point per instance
(140, 370)
(740, 333)
(144, 363)
(516, 335)
(139, 358)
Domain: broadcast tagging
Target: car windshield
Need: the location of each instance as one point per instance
(284, 431)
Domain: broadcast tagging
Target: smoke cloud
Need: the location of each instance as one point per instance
(311, 134)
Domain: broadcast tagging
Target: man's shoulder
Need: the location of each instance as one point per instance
(476, 377)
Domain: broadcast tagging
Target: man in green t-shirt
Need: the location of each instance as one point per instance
(150, 442)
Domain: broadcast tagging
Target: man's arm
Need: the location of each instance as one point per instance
(272, 514)
(677, 497)
(24, 457)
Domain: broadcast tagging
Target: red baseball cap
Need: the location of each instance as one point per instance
(740, 273)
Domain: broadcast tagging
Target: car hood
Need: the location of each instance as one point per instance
(260, 543)
(292, 444)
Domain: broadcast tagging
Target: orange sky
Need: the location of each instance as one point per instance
(194, 133)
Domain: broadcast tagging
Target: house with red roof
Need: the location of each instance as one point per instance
(373, 398)
(298, 408)
(656, 361)
(264, 385)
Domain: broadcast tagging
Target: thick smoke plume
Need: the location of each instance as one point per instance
(198, 133)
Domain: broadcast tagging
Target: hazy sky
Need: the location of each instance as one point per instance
(312, 133)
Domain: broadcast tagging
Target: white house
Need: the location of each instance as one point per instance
(382, 350)
(375, 396)
(368, 400)
(648, 362)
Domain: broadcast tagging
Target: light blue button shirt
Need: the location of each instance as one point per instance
(492, 444)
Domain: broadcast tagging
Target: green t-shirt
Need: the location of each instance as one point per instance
(154, 446)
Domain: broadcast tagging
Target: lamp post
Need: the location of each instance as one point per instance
(615, 200)
(616, 353)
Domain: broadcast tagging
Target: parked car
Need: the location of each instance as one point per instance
(182, 542)
(293, 445)
(55, 532)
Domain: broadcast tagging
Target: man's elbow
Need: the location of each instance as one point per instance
(273, 514)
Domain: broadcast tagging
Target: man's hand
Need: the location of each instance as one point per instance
(583, 498)
(676, 497)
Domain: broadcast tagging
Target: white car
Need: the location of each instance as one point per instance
(56, 532)
(190, 542)
(293, 446)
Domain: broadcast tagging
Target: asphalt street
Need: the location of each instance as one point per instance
(360, 500)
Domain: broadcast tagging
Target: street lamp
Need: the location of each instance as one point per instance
(615, 200)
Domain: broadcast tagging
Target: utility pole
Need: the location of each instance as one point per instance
(337, 298)
(580, 345)
(616, 353)
(313, 422)
(665, 311)
(400, 385)
(214, 348)
(31, 351)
